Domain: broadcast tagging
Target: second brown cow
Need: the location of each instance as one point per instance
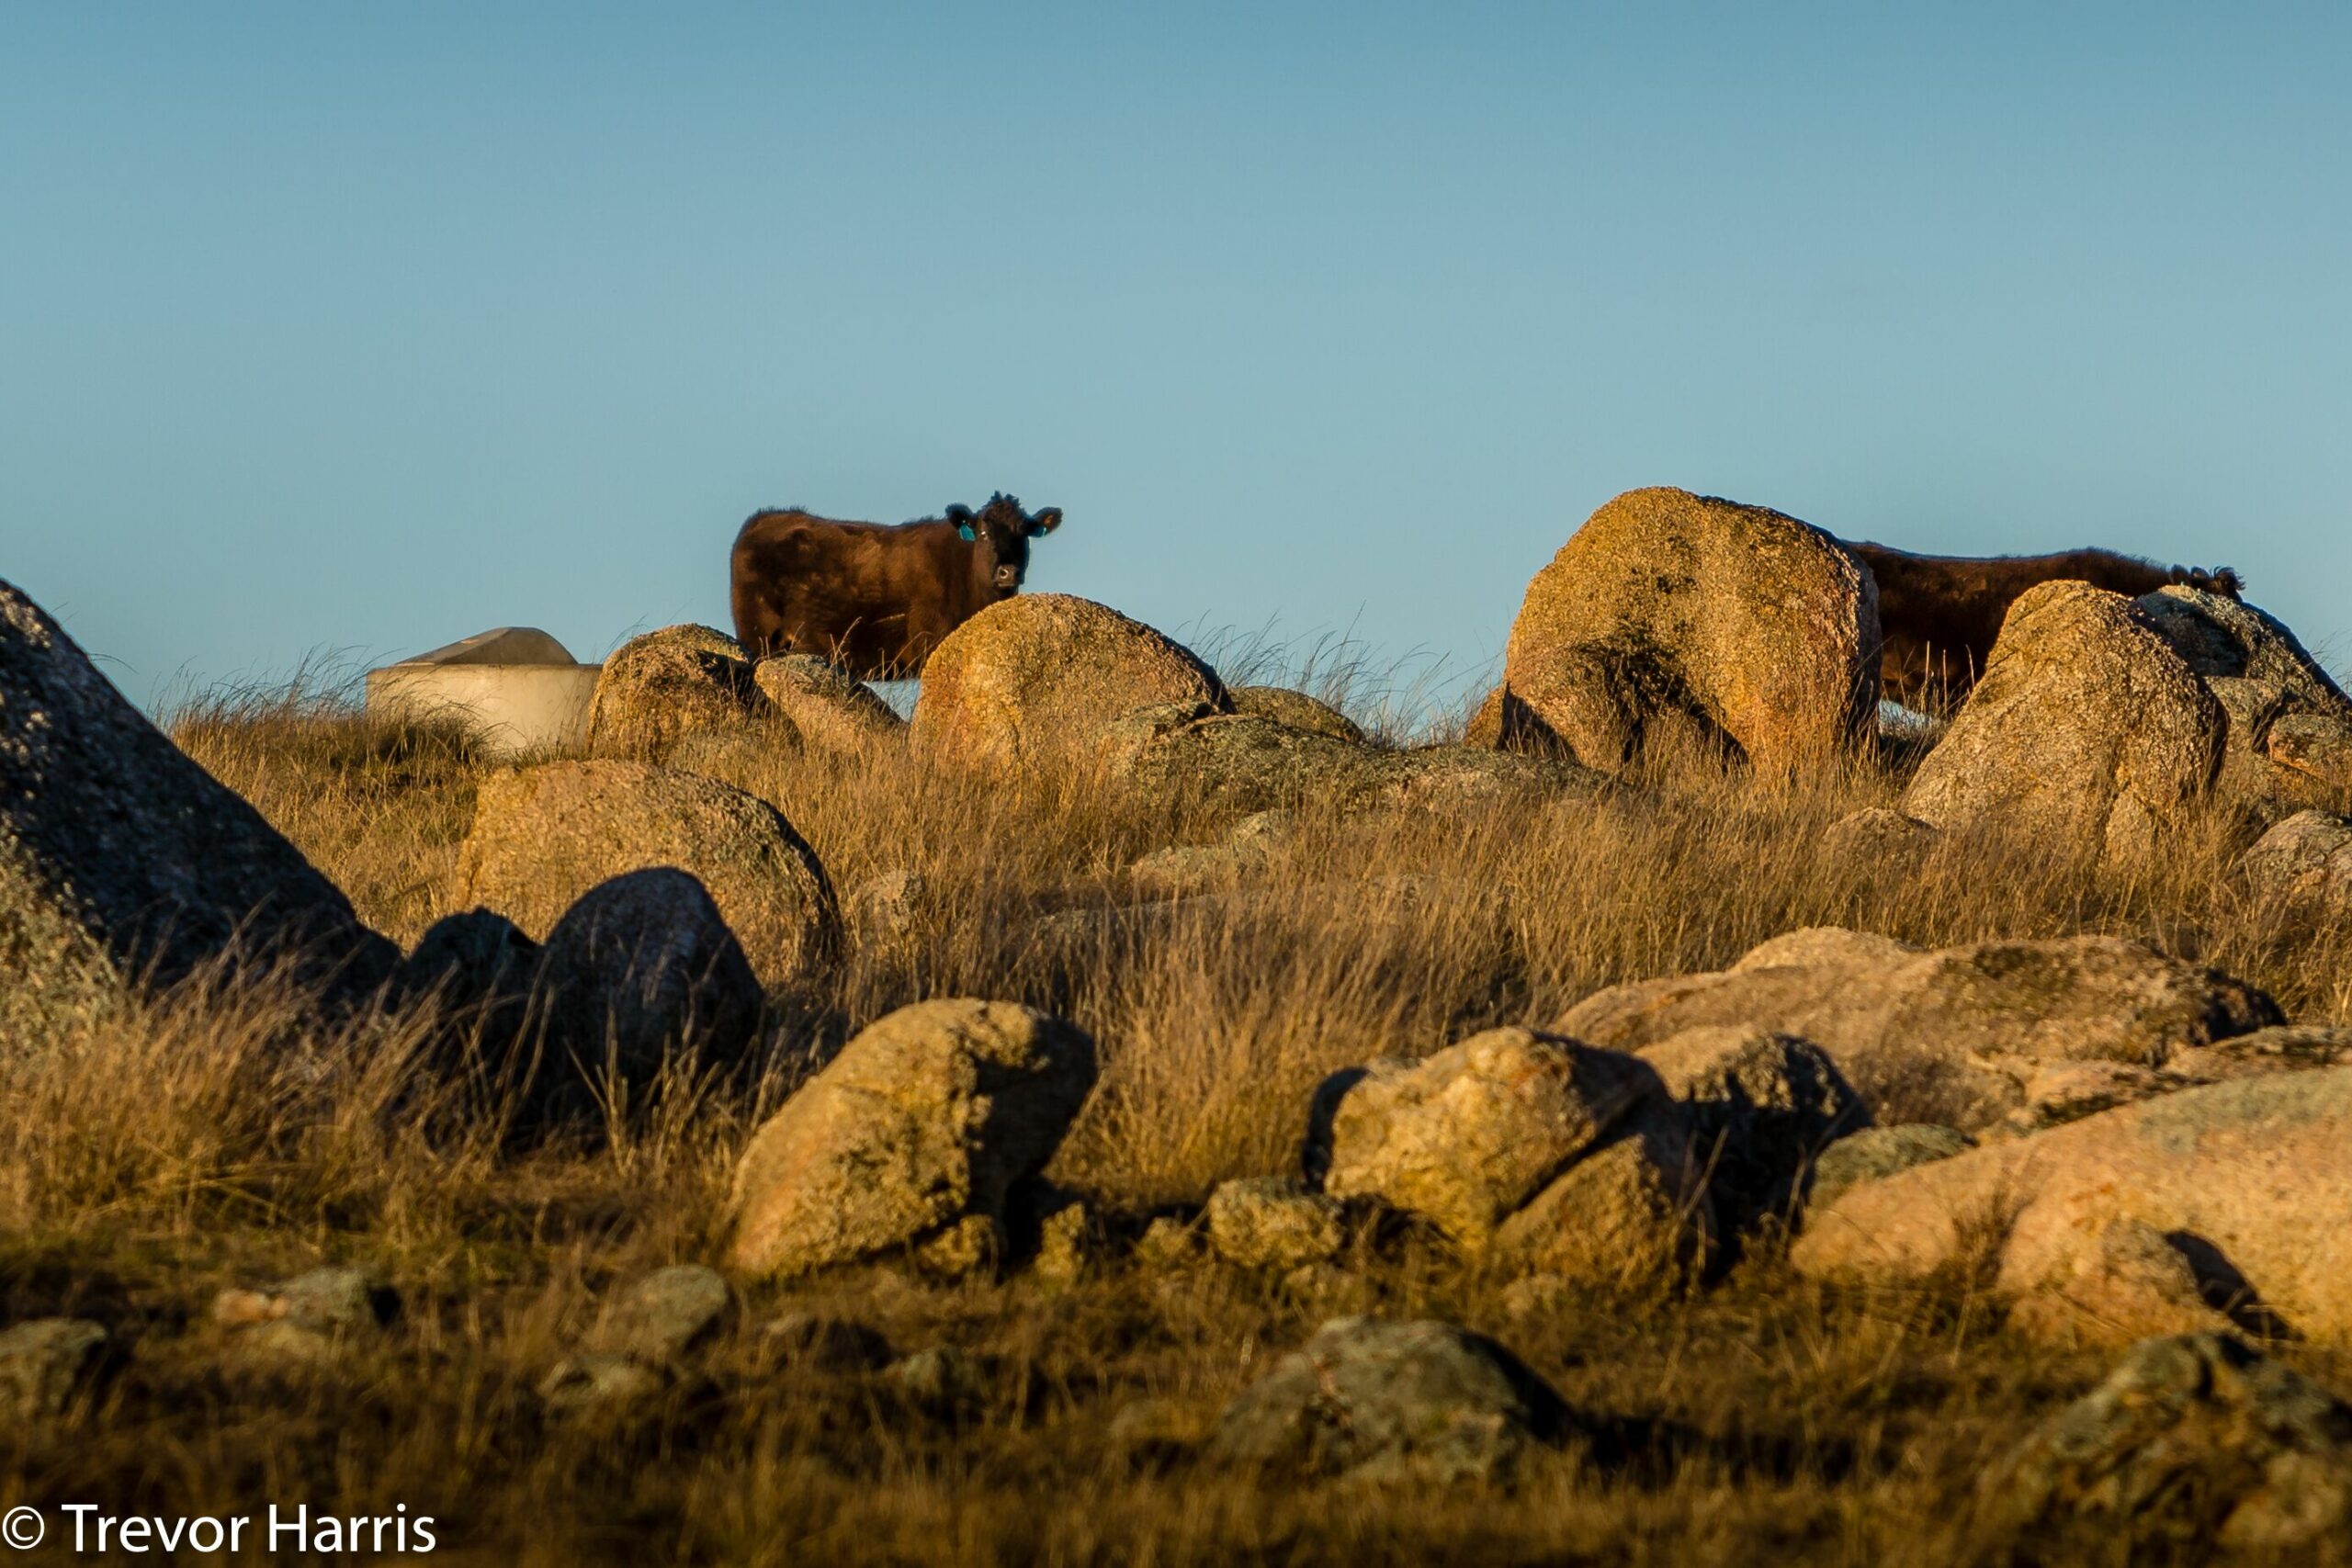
(1939, 615)
(875, 598)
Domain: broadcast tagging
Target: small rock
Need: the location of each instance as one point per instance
(832, 709)
(943, 1381)
(1152, 1431)
(599, 1382)
(2196, 1440)
(1876, 834)
(972, 1244)
(665, 1313)
(1465, 1136)
(1167, 1243)
(45, 1363)
(1393, 1402)
(323, 1301)
(1539, 1296)
(828, 1344)
(889, 909)
(1272, 1222)
(1325, 1287)
(928, 1117)
(1064, 1245)
(1629, 1217)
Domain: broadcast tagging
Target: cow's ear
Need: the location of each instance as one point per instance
(1046, 520)
(962, 517)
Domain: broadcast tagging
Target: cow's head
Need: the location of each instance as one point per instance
(999, 534)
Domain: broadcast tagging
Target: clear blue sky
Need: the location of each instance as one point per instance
(366, 327)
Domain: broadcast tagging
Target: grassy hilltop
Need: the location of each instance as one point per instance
(182, 1151)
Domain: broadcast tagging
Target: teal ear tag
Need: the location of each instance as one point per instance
(964, 532)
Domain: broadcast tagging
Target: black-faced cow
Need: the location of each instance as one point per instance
(875, 598)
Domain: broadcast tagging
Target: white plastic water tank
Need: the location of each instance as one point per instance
(515, 687)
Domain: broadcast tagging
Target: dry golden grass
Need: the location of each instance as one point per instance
(221, 1139)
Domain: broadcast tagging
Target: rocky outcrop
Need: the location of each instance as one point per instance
(1951, 1036)
(2088, 733)
(1031, 680)
(1381, 1401)
(927, 1117)
(666, 684)
(2196, 1440)
(543, 836)
(2249, 1181)
(1674, 612)
(829, 708)
(125, 869)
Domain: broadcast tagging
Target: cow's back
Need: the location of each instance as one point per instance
(859, 593)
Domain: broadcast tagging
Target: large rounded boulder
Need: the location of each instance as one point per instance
(922, 1124)
(543, 836)
(665, 684)
(1674, 612)
(2089, 732)
(1036, 678)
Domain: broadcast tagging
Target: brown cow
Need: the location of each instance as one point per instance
(1939, 615)
(875, 598)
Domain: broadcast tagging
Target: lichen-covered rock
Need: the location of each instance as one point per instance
(1875, 1154)
(1030, 681)
(543, 836)
(1673, 610)
(125, 868)
(1633, 1216)
(45, 1363)
(1272, 1222)
(1244, 762)
(1876, 834)
(665, 684)
(1387, 1402)
(2303, 864)
(889, 909)
(1297, 710)
(2254, 1172)
(2195, 1440)
(2289, 745)
(2087, 733)
(829, 708)
(1238, 762)
(642, 970)
(329, 1300)
(1465, 1136)
(928, 1116)
(1482, 730)
(660, 1317)
(1950, 1036)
